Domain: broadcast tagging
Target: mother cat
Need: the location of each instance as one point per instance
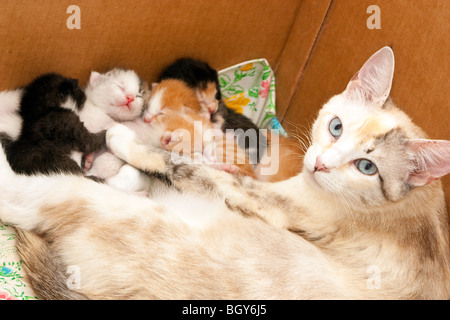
(365, 218)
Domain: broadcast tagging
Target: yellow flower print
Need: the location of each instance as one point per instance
(237, 102)
(247, 67)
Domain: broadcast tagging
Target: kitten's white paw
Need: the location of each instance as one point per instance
(130, 179)
(119, 138)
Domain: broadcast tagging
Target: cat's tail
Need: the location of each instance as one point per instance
(46, 273)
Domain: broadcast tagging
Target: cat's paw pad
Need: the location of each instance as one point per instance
(118, 140)
(170, 138)
(88, 160)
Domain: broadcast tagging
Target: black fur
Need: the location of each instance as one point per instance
(197, 74)
(50, 132)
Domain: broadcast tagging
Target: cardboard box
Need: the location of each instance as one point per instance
(314, 46)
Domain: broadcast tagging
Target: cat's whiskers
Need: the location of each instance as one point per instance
(300, 141)
(303, 130)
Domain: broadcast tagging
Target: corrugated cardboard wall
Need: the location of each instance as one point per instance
(144, 35)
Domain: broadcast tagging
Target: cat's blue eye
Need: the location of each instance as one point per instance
(366, 166)
(335, 127)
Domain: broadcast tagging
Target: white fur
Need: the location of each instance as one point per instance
(70, 105)
(10, 121)
(106, 94)
(154, 105)
(130, 179)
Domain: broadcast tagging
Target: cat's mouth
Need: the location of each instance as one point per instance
(311, 176)
(126, 105)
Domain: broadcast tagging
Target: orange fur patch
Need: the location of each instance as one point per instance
(185, 123)
(289, 159)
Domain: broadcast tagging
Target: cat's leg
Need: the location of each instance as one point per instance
(241, 194)
(124, 144)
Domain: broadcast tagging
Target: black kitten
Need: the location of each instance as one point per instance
(51, 129)
(204, 79)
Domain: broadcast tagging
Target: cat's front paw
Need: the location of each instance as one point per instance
(119, 139)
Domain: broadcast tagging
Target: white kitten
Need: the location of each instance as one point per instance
(116, 96)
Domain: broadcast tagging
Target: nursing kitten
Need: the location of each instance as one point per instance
(175, 115)
(118, 95)
(115, 96)
(50, 129)
(201, 77)
(363, 220)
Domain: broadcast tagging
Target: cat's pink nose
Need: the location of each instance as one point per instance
(130, 99)
(320, 166)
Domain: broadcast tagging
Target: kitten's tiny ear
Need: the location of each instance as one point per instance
(431, 158)
(94, 78)
(372, 83)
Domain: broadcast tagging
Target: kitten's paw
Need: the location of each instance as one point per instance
(88, 160)
(119, 139)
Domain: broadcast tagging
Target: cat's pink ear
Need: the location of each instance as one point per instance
(432, 160)
(372, 83)
(94, 78)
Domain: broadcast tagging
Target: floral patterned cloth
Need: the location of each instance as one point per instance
(13, 284)
(248, 88)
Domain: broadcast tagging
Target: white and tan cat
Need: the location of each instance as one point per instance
(363, 220)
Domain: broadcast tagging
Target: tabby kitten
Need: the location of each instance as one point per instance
(50, 128)
(363, 220)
